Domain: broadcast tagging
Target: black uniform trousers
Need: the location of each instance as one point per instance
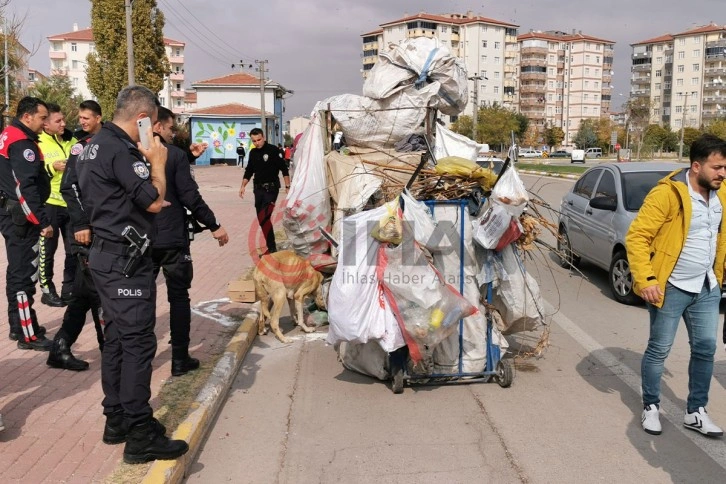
(176, 264)
(21, 247)
(85, 298)
(265, 205)
(60, 221)
(129, 309)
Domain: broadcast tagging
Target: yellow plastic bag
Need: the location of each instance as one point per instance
(457, 166)
(390, 227)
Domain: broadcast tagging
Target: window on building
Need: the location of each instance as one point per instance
(697, 40)
(497, 60)
(74, 81)
(162, 100)
(178, 103)
(679, 82)
(497, 45)
(496, 89)
(74, 47)
(678, 123)
(682, 41)
(694, 108)
(679, 108)
(92, 47)
(552, 58)
(550, 97)
(696, 67)
(694, 95)
(484, 43)
(484, 59)
(496, 74)
(658, 73)
(659, 60)
(74, 64)
(483, 73)
(681, 68)
(694, 81)
(586, 97)
(549, 110)
(587, 59)
(659, 48)
(444, 29)
(484, 28)
(656, 99)
(588, 45)
(552, 84)
(696, 52)
(551, 71)
(596, 85)
(587, 84)
(584, 110)
(681, 54)
(597, 59)
(656, 112)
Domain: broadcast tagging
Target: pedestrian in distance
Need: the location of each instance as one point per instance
(265, 164)
(24, 187)
(55, 143)
(121, 196)
(172, 234)
(84, 297)
(677, 250)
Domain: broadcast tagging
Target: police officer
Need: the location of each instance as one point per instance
(83, 295)
(265, 163)
(25, 186)
(121, 196)
(172, 231)
(55, 143)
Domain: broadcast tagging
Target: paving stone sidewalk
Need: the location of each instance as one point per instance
(53, 417)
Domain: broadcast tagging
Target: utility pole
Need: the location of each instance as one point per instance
(475, 115)
(261, 69)
(5, 66)
(129, 43)
(683, 125)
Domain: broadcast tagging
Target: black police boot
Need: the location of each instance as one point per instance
(60, 355)
(181, 362)
(52, 299)
(146, 442)
(116, 429)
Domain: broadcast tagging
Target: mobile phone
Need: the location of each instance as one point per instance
(144, 125)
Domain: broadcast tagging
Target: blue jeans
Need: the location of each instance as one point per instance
(700, 312)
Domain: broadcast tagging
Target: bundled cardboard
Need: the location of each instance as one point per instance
(242, 291)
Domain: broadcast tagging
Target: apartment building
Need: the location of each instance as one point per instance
(488, 48)
(682, 76)
(564, 78)
(68, 53)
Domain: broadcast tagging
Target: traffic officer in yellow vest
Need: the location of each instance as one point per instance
(56, 143)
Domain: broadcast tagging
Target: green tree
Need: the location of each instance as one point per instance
(496, 124)
(107, 71)
(553, 136)
(463, 126)
(58, 89)
(586, 135)
(717, 128)
(522, 124)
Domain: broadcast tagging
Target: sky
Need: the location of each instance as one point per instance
(314, 46)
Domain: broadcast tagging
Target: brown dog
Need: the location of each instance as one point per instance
(285, 275)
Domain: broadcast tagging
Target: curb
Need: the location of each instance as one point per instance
(204, 409)
(550, 174)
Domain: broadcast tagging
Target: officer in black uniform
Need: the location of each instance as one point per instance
(84, 297)
(121, 196)
(171, 236)
(24, 187)
(265, 163)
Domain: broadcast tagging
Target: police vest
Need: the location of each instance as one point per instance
(10, 135)
(54, 150)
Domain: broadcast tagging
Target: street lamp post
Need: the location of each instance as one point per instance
(683, 125)
(129, 43)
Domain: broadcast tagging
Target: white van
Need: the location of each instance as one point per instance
(577, 156)
(593, 152)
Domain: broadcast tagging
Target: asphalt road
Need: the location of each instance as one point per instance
(572, 416)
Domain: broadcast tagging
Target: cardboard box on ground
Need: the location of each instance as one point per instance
(241, 291)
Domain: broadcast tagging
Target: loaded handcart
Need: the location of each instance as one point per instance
(428, 277)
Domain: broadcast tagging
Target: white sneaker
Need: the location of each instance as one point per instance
(701, 422)
(651, 420)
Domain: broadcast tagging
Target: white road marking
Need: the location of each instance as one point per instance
(715, 448)
(208, 309)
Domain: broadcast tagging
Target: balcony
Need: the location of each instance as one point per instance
(533, 61)
(715, 70)
(714, 99)
(176, 93)
(510, 39)
(641, 67)
(530, 76)
(510, 68)
(542, 51)
(531, 88)
(176, 76)
(532, 101)
(641, 80)
(58, 55)
(454, 37)
(711, 114)
(176, 59)
(714, 86)
(640, 93)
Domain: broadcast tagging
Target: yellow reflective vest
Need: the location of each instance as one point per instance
(54, 148)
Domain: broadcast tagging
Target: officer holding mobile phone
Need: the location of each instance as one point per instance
(119, 191)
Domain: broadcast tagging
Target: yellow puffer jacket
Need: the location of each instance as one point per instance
(55, 148)
(658, 233)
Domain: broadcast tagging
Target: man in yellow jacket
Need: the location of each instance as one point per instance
(55, 143)
(677, 249)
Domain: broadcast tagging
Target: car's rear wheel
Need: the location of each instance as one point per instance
(564, 249)
(621, 280)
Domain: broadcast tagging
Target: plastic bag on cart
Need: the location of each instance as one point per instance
(390, 226)
(489, 227)
(510, 192)
(449, 143)
(428, 308)
(357, 309)
(516, 293)
(418, 217)
(307, 205)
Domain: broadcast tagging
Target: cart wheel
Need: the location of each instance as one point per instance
(505, 373)
(397, 385)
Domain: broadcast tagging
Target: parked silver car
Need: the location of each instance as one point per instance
(596, 213)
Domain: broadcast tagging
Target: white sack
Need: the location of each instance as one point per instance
(307, 205)
(449, 143)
